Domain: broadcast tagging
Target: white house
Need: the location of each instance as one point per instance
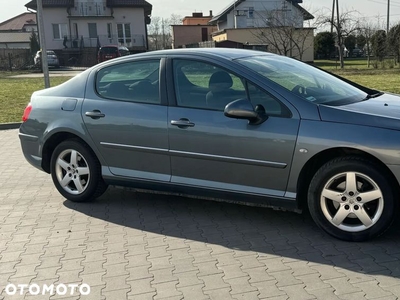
(272, 25)
(261, 13)
(94, 23)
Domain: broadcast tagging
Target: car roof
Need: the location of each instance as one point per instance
(109, 46)
(227, 53)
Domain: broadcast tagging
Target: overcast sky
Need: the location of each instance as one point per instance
(164, 8)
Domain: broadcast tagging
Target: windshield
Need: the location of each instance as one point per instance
(109, 50)
(305, 81)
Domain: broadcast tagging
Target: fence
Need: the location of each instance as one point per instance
(135, 40)
(15, 59)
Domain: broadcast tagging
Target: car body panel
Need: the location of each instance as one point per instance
(228, 159)
(316, 137)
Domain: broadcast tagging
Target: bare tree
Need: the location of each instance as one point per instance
(160, 32)
(155, 33)
(345, 24)
(367, 28)
(282, 30)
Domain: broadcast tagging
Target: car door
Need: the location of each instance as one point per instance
(126, 116)
(213, 151)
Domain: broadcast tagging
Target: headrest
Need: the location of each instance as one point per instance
(220, 80)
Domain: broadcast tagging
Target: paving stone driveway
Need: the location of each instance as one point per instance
(130, 245)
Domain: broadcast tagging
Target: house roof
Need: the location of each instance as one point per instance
(17, 23)
(110, 3)
(51, 3)
(222, 16)
(15, 37)
(131, 3)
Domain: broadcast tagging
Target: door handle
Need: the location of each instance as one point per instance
(182, 123)
(95, 114)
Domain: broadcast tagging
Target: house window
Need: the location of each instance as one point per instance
(251, 13)
(92, 30)
(109, 30)
(59, 31)
(124, 33)
(204, 34)
(75, 30)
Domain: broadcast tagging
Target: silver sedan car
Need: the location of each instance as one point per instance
(228, 124)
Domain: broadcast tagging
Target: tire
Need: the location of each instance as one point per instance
(76, 172)
(351, 199)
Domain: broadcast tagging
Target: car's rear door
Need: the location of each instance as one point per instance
(125, 113)
(213, 151)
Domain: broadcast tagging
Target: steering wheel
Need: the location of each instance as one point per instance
(300, 90)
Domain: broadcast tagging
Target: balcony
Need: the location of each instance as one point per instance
(90, 9)
(136, 41)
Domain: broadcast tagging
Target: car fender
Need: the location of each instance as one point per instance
(316, 137)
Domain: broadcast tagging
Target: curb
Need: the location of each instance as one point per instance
(7, 126)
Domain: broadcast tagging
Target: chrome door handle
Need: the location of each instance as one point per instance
(182, 123)
(95, 114)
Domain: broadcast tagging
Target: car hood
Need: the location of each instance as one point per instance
(382, 111)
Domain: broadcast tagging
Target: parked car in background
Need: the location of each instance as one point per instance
(231, 124)
(110, 52)
(52, 59)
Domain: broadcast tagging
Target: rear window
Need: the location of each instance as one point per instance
(109, 50)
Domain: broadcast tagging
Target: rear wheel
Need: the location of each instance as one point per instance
(351, 199)
(76, 172)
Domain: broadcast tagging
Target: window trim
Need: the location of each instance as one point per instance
(175, 104)
(161, 73)
(59, 31)
(172, 93)
(97, 33)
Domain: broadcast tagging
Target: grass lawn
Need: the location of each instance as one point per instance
(15, 94)
(387, 79)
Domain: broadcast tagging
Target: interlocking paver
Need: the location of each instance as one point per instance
(342, 286)
(193, 292)
(240, 285)
(268, 289)
(132, 245)
(213, 282)
(296, 291)
(325, 294)
(218, 294)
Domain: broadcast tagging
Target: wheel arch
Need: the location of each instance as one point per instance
(319, 159)
(52, 142)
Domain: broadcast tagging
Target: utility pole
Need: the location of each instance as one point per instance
(388, 17)
(45, 66)
(339, 33)
(333, 15)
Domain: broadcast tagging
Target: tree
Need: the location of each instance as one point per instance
(345, 24)
(361, 41)
(367, 30)
(34, 43)
(283, 32)
(350, 42)
(393, 39)
(324, 44)
(160, 32)
(378, 42)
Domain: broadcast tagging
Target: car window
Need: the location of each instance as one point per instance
(131, 81)
(109, 50)
(205, 86)
(262, 100)
(303, 80)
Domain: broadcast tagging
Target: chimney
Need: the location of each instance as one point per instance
(211, 13)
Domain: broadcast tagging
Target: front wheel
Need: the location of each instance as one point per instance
(351, 199)
(76, 172)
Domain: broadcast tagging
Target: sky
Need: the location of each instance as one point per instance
(375, 9)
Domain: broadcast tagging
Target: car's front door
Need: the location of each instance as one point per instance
(211, 150)
(126, 116)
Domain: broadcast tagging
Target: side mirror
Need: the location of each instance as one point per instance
(242, 109)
